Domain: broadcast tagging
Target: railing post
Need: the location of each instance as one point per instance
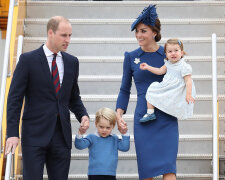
(215, 110)
(5, 65)
(8, 166)
(10, 157)
(19, 48)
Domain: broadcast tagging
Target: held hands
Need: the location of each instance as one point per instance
(11, 144)
(190, 99)
(122, 125)
(84, 125)
(144, 66)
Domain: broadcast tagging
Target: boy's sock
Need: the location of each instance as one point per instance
(150, 111)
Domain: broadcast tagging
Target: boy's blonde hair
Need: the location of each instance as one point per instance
(107, 114)
(174, 41)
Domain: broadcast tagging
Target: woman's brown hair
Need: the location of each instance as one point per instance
(157, 28)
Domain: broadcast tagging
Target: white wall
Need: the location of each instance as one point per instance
(2, 49)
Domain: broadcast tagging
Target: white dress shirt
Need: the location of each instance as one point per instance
(59, 62)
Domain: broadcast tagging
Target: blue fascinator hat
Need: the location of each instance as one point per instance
(147, 17)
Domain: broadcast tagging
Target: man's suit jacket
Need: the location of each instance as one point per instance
(32, 80)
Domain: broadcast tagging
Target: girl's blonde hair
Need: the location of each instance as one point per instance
(107, 114)
(174, 41)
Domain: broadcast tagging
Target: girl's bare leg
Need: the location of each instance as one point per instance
(169, 176)
(150, 106)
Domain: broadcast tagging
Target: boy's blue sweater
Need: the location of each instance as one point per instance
(103, 152)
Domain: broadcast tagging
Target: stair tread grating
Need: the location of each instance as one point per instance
(129, 21)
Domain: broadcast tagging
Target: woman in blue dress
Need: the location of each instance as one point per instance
(156, 142)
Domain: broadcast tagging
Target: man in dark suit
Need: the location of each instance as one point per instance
(47, 78)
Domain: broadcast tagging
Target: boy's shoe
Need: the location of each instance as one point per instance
(148, 117)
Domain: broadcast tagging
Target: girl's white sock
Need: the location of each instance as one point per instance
(150, 111)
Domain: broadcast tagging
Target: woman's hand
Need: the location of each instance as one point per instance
(122, 125)
(144, 66)
(190, 99)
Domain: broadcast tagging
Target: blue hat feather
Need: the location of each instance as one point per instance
(147, 17)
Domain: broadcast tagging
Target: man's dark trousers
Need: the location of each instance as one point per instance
(56, 155)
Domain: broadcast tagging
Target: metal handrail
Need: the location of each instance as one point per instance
(9, 156)
(8, 166)
(5, 65)
(215, 110)
(19, 48)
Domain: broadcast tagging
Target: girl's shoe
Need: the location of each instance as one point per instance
(147, 117)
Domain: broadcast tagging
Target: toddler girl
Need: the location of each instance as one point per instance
(103, 146)
(175, 94)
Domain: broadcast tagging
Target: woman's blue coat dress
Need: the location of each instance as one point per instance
(156, 141)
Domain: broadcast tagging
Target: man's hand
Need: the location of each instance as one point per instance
(84, 125)
(122, 125)
(11, 144)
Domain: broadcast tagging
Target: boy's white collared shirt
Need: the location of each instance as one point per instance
(79, 136)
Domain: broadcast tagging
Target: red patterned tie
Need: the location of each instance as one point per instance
(55, 75)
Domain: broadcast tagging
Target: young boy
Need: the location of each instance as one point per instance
(103, 146)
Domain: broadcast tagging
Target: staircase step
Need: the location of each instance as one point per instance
(110, 84)
(125, 9)
(186, 163)
(186, 137)
(183, 166)
(129, 117)
(134, 176)
(198, 125)
(202, 103)
(133, 97)
(105, 78)
(128, 156)
(121, 27)
(117, 46)
(188, 144)
(114, 65)
(119, 59)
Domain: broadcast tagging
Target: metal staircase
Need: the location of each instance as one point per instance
(101, 35)
(2, 44)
